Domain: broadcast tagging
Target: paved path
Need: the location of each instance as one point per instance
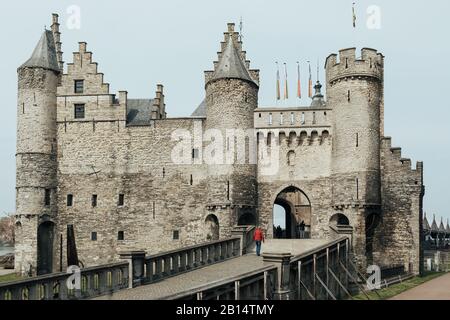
(436, 289)
(218, 272)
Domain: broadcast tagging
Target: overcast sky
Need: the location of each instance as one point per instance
(141, 43)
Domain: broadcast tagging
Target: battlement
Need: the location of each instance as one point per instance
(347, 65)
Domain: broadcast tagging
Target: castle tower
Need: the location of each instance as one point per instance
(355, 91)
(231, 98)
(36, 159)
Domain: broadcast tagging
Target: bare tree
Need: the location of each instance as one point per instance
(7, 229)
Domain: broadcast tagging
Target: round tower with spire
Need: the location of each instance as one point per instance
(231, 98)
(36, 165)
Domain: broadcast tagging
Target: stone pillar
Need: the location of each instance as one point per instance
(136, 260)
(283, 262)
(241, 232)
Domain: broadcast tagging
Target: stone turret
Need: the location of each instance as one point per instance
(231, 98)
(355, 91)
(36, 184)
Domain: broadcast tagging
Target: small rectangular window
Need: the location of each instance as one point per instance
(270, 119)
(69, 200)
(314, 118)
(121, 200)
(94, 236)
(120, 235)
(176, 235)
(47, 197)
(292, 118)
(302, 120)
(281, 118)
(79, 86)
(94, 200)
(79, 111)
(195, 153)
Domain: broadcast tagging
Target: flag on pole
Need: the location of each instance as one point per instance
(310, 87)
(286, 93)
(278, 83)
(299, 87)
(354, 15)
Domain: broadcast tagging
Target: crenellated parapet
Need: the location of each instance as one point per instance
(347, 65)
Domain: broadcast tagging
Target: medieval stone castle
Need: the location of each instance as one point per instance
(102, 164)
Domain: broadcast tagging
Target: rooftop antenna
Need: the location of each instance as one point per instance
(241, 27)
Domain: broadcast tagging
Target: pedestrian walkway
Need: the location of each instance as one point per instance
(215, 273)
(436, 289)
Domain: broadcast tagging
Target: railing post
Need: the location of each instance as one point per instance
(190, 259)
(283, 264)
(149, 270)
(182, 261)
(136, 261)
(299, 282)
(237, 287)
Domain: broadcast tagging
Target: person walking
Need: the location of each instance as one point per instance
(259, 238)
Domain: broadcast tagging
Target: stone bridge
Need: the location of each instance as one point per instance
(226, 269)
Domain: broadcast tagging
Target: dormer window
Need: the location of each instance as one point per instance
(79, 86)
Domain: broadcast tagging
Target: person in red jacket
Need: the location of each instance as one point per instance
(258, 237)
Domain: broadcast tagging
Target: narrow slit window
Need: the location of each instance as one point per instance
(191, 181)
(281, 118)
(348, 95)
(94, 200)
(121, 201)
(228, 190)
(70, 200)
(270, 119)
(47, 197)
(302, 120)
(292, 118)
(195, 153)
(314, 118)
(357, 140)
(346, 63)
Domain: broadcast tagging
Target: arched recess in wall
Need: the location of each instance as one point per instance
(372, 222)
(291, 214)
(247, 219)
(45, 239)
(291, 158)
(339, 219)
(212, 227)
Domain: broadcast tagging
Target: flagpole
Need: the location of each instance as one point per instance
(278, 91)
(286, 92)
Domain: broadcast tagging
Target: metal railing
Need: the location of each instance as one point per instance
(94, 281)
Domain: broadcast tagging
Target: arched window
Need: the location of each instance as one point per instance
(291, 158)
(339, 219)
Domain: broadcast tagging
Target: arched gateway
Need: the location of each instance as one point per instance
(292, 215)
(45, 247)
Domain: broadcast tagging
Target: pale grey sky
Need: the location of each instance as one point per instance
(141, 43)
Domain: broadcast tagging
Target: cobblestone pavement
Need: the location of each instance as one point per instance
(213, 273)
(436, 289)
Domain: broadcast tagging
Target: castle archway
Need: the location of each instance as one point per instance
(45, 239)
(212, 228)
(292, 215)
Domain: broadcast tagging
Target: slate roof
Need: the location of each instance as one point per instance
(139, 111)
(44, 54)
(201, 110)
(231, 65)
(425, 224)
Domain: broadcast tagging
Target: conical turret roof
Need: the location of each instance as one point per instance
(44, 55)
(425, 224)
(434, 226)
(231, 65)
(441, 226)
(447, 229)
